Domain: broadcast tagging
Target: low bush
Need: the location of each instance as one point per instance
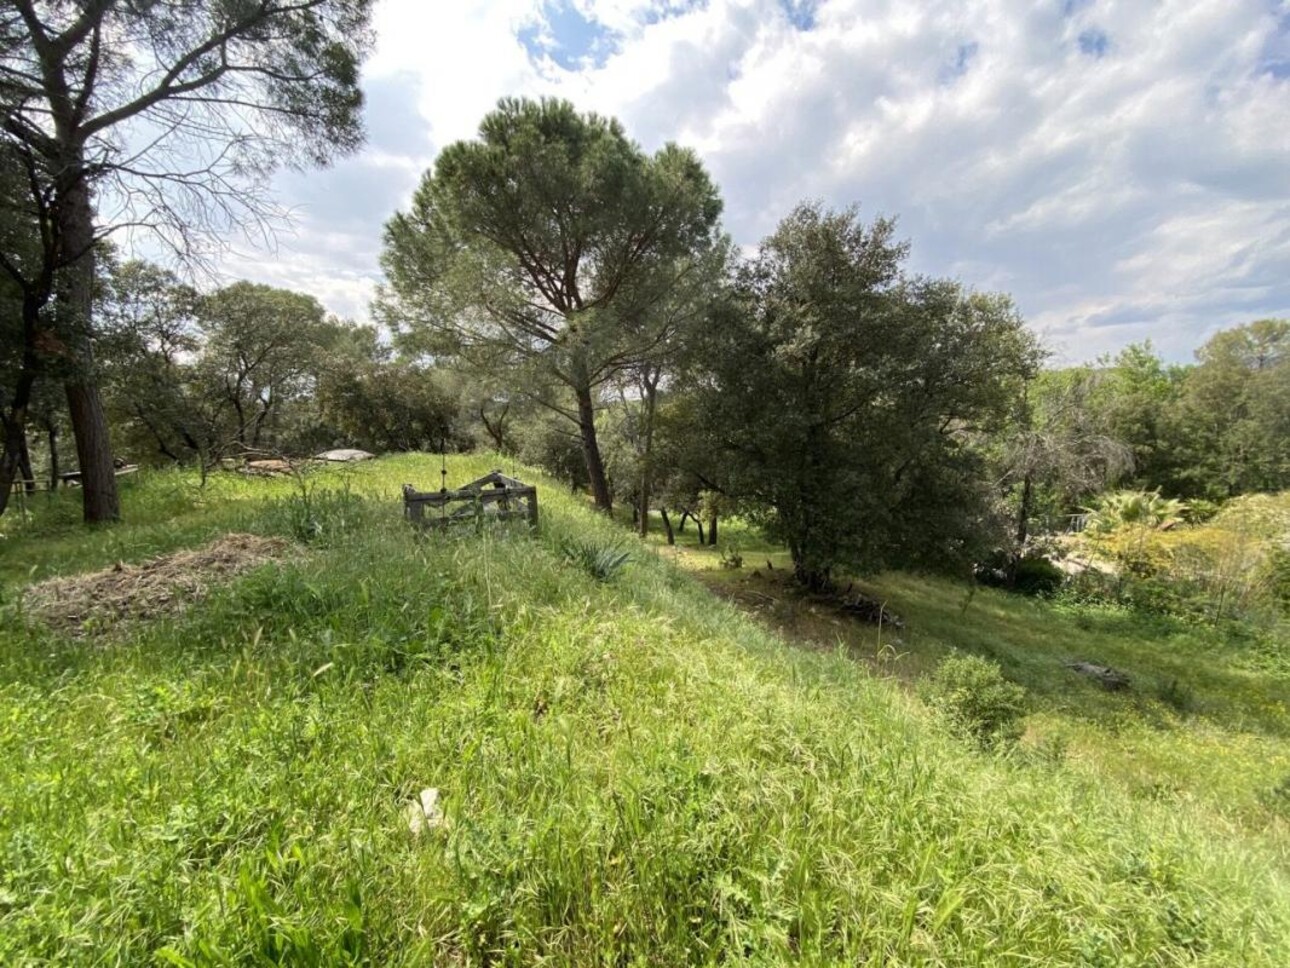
(1032, 574)
(1035, 575)
(978, 702)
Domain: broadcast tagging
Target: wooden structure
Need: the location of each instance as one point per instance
(494, 497)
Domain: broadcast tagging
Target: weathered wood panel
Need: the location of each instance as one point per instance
(494, 497)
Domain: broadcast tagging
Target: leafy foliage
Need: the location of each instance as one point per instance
(838, 396)
(1134, 509)
(977, 700)
(602, 563)
(550, 248)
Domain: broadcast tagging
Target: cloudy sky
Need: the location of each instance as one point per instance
(1122, 168)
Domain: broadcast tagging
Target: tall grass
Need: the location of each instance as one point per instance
(632, 772)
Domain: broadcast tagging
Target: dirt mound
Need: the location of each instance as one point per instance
(88, 604)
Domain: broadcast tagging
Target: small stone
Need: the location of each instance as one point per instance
(424, 813)
(1109, 679)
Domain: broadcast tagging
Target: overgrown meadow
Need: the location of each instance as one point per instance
(633, 771)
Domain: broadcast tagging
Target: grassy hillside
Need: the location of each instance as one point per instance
(633, 772)
(1205, 724)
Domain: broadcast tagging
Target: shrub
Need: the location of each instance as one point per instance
(732, 557)
(1032, 574)
(602, 564)
(1036, 575)
(976, 699)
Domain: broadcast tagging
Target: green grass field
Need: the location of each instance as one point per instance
(633, 772)
(1206, 723)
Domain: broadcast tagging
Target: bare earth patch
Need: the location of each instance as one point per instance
(88, 604)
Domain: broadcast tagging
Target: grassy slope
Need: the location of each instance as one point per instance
(1206, 724)
(632, 772)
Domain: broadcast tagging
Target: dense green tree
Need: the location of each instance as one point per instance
(390, 406)
(148, 338)
(24, 292)
(245, 369)
(1236, 411)
(546, 250)
(1134, 398)
(260, 353)
(169, 111)
(841, 396)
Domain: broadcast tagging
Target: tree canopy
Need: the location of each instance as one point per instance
(840, 395)
(548, 247)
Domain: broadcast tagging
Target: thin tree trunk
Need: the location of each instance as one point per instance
(684, 517)
(15, 435)
(1023, 512)
(667, 526)
(496, 430)
(51, 429)
(24, 466)
(591, 451)
(84, 402)
(712, 530)
(647, 469)
(699, 524)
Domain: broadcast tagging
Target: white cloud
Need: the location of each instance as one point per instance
(1123, 169)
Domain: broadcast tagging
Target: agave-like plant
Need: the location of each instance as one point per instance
(1145, 509)
(602, 564)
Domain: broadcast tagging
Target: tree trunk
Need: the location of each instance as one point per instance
(667, 526)
(650, 386)
(699, 524)
(1023, 512)
(24, 466)
(496, 429)
(814, 579)
(15, 435)
(712, 530)
(681, 526)
(51, 429)
(84, 403)
(591, 451)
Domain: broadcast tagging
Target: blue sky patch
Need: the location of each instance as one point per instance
(1094, 42)
(569, 38)
(1275, 59)
(801, 13)
(963, 58)
(667, 9)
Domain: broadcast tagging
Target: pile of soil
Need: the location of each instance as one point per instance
(87, 604)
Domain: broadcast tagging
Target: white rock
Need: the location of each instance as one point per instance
(425, 813)
(345, 455)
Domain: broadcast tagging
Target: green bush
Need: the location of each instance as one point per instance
(977, 701)
(1032, 574)
(1036, 575)
(1278, 571)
